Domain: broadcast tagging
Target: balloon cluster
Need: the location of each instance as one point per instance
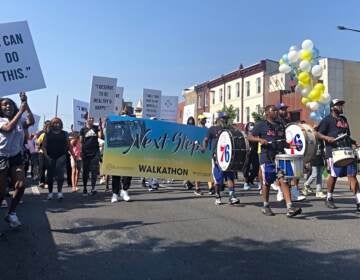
(304, 66)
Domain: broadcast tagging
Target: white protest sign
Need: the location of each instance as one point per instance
(102, 97)
(35, 127)
(209, 119)
(189, 111)
(80, 109)
(169, 108)
(19, 65)
(118, 106)
(151, 103)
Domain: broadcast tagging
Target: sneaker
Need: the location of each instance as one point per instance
(60, 196)
(13, 220)
(218, 201)
(4, 204)
(295, 195)
(307, 190)
(188, 186)
(93, 192)
(50, 196)
(46, 186)
(41, 185)
(102, 180)
(198, 192)
(246, 187)
(299, 198)
(211, 191)
(233, 200)
(85, 192)
(275, 187)
(320, 195)
(266, 210)
(330, 203)
(114, 198)
(293, 211)
(280, 196)
(358, 208)
(125, 195)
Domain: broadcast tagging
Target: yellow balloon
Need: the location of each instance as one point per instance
(306, 55)
(320, 87)
(315, 95)
(281, 61)
(304, 77)
(305, 100)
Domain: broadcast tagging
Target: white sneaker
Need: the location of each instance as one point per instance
(295, 195)
(125, 195)
(246, 187)
(320, 195)
(275, 187)
(114, 198)
(4, 204)
(280, 195)
(60, 196)
(218, 201)
(13, 220)
(102, 180)
(50, 196)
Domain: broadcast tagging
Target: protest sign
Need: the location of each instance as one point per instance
(102, 97)
(118, 106)
(19, 65)
(151, 103)
(155, 149)
(169, 108)
(209, 119)
(80, 109)
(189, 111)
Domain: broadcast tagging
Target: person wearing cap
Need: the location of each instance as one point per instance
(271, 135)
(330, 127)
(219, 175)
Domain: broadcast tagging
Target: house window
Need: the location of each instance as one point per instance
(213, 97)
(248, 88)
(237, 115)
(258, 85)
(238, 89)
(199, 102)
(247, 112)
(258, 108)
(220, 95)
(229, 92)
(206, 100)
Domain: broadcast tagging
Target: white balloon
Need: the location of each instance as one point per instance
(305, 65)
(293, 56)
(307, 44)
(313, 106)
(284, 68)
(305, 91)
(325, 98)
(298, 89)
(316, 71)
(293, 48)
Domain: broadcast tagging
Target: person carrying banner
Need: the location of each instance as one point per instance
(219, 176)
(12, 137)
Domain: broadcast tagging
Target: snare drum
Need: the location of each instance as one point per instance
(291, 165)
(343, 156)
(231, 150)
(303, 136)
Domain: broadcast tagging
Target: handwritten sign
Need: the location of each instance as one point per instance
(80, 109)
(151, 103)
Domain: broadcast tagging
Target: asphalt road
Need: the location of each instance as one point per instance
(173, 234)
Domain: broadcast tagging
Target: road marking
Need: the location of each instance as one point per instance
(35, 190)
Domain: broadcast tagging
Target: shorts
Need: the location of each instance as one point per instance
(7, 162)
(349, 170)
(75, 163)
(219, 175)
(270, 173)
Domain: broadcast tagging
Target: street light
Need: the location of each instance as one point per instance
(345, 28)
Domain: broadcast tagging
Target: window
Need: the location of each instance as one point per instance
(258, 85)
(229, 92)
(199, 102)
(237, 115)
(276, 83)
(248, 88)
(247, 111)
(213, 97)
(258, 108)
(206, 99)
(238, 89)
(220, 94)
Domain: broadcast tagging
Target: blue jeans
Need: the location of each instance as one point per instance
(316, 173)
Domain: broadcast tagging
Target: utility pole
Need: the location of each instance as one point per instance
(56, 106)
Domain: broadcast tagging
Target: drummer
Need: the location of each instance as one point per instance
(329, 128)
(219, 175)
(271, 134)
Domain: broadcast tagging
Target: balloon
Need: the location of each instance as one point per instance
(284, 68)
(325, 99)
(304, 77)
(320, 87)
(298, 89)
(313, 106)
(305, 100)
(307, 44)
(313, 116)
(305, 55)
(293, 48)
(293, 56)
(285, 58)
(281, 61)
(305, 65)
(305, 91)
(316, 71)
(314, 94)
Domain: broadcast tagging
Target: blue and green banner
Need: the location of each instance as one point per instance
(155, 149)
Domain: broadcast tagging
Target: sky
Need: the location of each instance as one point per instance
(166, 44)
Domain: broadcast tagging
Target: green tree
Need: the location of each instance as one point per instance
(230, 111)
(258, 116)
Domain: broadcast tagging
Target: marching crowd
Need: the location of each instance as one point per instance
(52, 152)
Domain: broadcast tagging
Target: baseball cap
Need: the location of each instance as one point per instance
(281, 105)
(336, 101)
(201, 117)
(222, 115)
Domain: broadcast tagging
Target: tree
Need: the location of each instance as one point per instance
(258, 116)
(230, 111)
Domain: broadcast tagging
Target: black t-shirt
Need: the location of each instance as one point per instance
(213, 134)
(56, 144)
(318, 159)
(90, 145)
(333, 127)
(272, 132)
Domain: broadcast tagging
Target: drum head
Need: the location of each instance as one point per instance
(295, 136)
(224, 150)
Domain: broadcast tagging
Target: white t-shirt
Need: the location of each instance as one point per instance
(12, 142)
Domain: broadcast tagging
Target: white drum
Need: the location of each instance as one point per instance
(303, 137)
(343, 156)
(291, 165)
(357, 153)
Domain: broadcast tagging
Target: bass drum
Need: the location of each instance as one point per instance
(303, 136)
(231, 150)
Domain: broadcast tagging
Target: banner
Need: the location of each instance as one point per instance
(80, 109)
(118, 106)
(35, 127)
(155, 149)
(102, 97)
(169, 108)
(151, 103)
(189, 111)
(19, 65)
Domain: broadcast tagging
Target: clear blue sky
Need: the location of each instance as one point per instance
(169, 45)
